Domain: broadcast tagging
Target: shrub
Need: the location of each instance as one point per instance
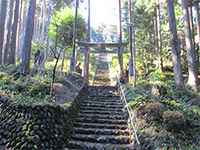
(157, 75)
(174, 120)
(151, 111)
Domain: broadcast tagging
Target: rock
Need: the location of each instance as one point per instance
(151, 111)
(58, 88)
(158, 90)
(195, 101)
(3, 99)
(174, 120)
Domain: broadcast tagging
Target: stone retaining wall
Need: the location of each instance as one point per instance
(37, 127)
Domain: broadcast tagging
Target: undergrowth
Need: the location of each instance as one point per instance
(177, 124)
(24, 90)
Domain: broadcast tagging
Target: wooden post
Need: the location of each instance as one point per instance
(87, 51)
(120, 53)
(73, 59)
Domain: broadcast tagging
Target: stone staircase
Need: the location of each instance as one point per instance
(102, 123)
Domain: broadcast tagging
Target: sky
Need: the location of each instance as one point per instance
(102, 11)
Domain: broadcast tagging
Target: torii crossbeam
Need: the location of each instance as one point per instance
(101, 45)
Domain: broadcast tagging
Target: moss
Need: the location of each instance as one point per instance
(30, 126)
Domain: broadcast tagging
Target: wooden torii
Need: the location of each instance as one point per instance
(101, 45)
(88, 45)
(120, 45)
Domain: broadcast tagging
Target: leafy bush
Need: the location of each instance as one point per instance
(37, 46)
(157, 75)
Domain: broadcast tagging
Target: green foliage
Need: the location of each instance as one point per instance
(176, 115)
(157, 75)
(9, 69)
(25, 90)
(37, 46)
(62, 26)
(137, 96)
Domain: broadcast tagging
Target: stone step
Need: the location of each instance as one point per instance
(98, 120)
(94, 116)
(101, 131)
(102, 90)
(106, 139)
(102, 109)
(100, 126)
(101, 112)
(102, 100)
(103, 97)
(101, 105)
(97, 146)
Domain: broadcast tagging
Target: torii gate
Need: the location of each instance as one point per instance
(118, 45)
(89, 45)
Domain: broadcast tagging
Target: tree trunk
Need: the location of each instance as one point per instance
(9, 25)
(63, 62)
(191, 57)
(44, 15)
(156, 32)
(87, 50)
(120, 51)
(23, 25)
(191, 23)
(73, 59)
(175, 46)
(159, 36)
(26, 50)
(132, 66)
(19, 28)
(196, 6)
(2, 26)
(14, 34)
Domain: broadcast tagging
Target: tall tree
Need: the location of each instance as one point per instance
(9, 25)
(14, 33)
(2, 26)
(159, 35)
(73, 59)
(132, 63)
(19, 27)
(26, 50)
(87, 50)
(196, 6)
(191, 57)
(190, 10)
(175, 45)
(120, 51)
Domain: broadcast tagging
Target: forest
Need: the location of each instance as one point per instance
(129, 82)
